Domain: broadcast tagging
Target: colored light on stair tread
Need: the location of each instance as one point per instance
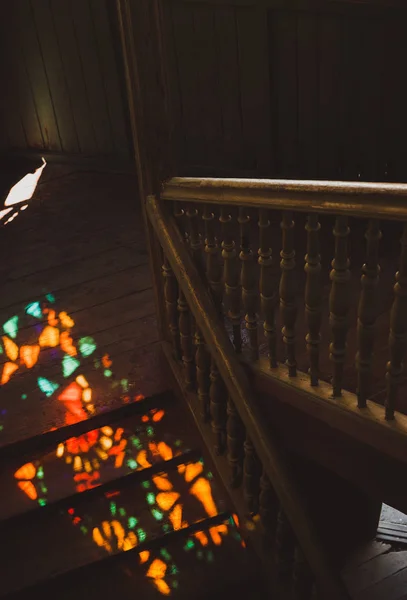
(29, 355)
(50, 298)
(11, 327)
(49, 337)
(27, 471)
(87, 346)
(108, 373)
(34, 310)
(132, 522)
(66, 343)
(166, 500)
(8, 370)
(66, 320)
(11, 348)
(157, 514)
(28, 488)
(69, 365)
(46, 386)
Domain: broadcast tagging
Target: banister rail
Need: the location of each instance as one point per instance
(359, 199)
(206, 317)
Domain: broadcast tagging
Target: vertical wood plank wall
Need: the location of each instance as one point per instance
(62, 87)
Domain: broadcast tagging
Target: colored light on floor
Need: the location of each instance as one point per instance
(67, 344)
(50, 298)
(157, 514)
(150, 498)
(141, 534)
(49, 337)
(166, 500)
(132, 522)
(34, 309)
(108, 373)
(8, 369)
(28, 488)
(11, 327)
(29, 355)
(201, 489)
(11, 348)
(46, 386)
(27, 471)
(66, 320)
(87, 346)
(69, 365)
(131, 463)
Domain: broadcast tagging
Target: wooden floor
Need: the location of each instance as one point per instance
(81, 240)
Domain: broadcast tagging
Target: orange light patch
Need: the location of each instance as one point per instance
(165, 451)
(157, 569)
(29, 489)
(27, 471)
(215, 533)
(176, 517)
(118, 434)
(8, 370)
(192, 471)
(158, 416)
(66, 320)
(141, 459)
(106, 362)
(145, 419)
(52, 320)
(119, 460)
(202, 537)
(29, 355)
(144, 556)
(49, 337)
(201, 489)
(67, 345)
(87, 395)
(11, 348)
(162, 483)
(166, 500)
(130, 541)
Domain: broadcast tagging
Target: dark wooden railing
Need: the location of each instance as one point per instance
(226, 298)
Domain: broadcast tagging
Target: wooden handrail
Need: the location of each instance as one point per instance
(383, 200)
(270, 455)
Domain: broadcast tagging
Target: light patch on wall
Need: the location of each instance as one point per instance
(20, 194)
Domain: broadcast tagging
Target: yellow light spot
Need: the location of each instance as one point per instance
(106, 442)
(68, 460)
(27, 471)
(166, 500)
(107, 430)
(88, 466)
(119, 532)
(130, 541)
(144, 556)
(91, 408)
(201, 489)
(157, 569)
(202, 537)
(28, 488)
(193, 470)
(66, 320)
(80, 380)
(98, 539)
(87, 395)
(77, 464)
(11, 348)
(141, 459)
(8, 370)
(215, 532)
(176, 517)
(106, 529)
(60, 450)
(162, 482)
(29, 355)
(102, 454)
(96, 463)
(165, 451)
(49, 337)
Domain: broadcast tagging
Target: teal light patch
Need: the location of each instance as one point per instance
(150, 498)
(50, 298)
(125, 385)
(189, 545)
(122, 512)
(150, 431)
(166, 527)
(42, 502)
(132, 464)
(24, 397)
(141, 534)
(113, 508)
(1, 350)
(136, 442)
(69, 365)
(44, 490)
(108, 373)
(11, 327)
(146, 485)
(34, 309)
(157, 514)
(165, 554)
(40, 473)
(132, 522)
(173, 570)
(47, 387)
(209, 475)
(87, 346)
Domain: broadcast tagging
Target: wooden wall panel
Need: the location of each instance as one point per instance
(66, 92)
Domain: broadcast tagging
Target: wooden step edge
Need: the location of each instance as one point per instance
(116, 484)
(110, 560)
(392, 532)
(42, 441)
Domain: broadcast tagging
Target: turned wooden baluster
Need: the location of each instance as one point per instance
(339, 302)
(218, 408)
(367, 312)
(251, 477)
(171, 295)
(288, 305)
(186, 340)
(268, 293)
(285, 546)
(235, 440)
(398, 331)
(248, 282)
(268, 508)
(213, 266)
(313, 295)
(303, 580)
(179, 215)
(203, 364)
(194, 235)
(231, 276)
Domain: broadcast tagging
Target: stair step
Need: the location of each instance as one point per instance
(97, 457)
(53, 542)
(197, 566)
